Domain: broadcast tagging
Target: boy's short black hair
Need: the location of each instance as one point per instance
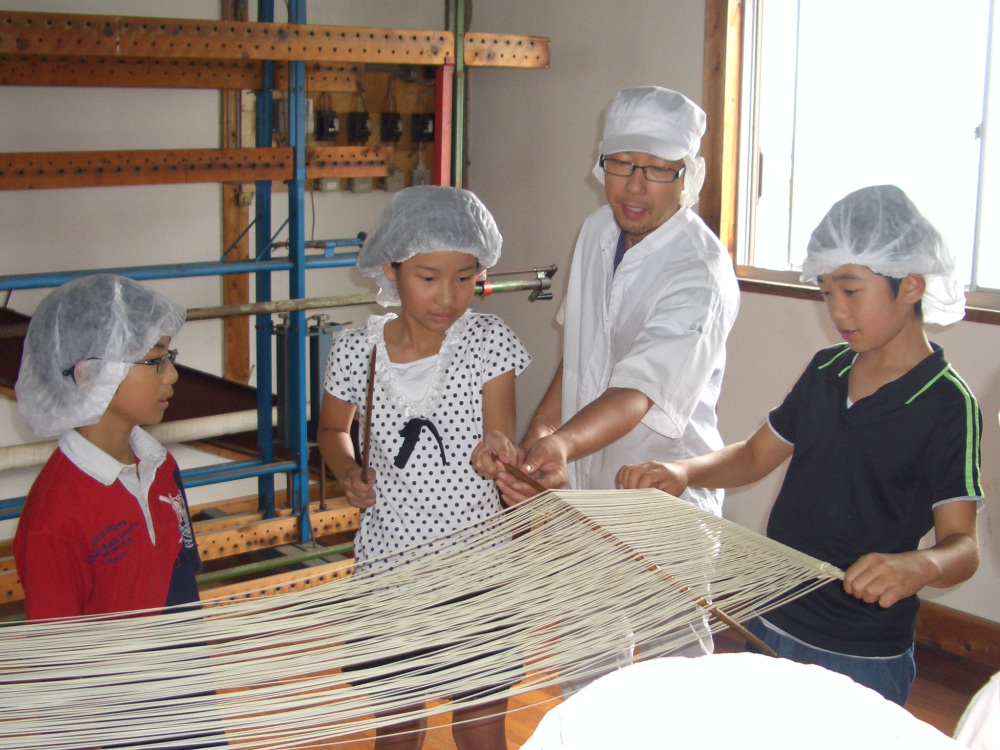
(894, 284)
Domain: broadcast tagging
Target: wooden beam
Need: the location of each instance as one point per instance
(721, 99)
(25, 171)
(273, 532)
(506, 50)
(27, 33)
(228, 541)
(126, 72)
(281, 583)
(959, 633)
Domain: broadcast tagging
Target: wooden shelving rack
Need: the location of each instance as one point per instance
(57, 49)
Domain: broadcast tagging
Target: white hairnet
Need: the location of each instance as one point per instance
(93, 329)
(428, 219)
(657, 121)
(880, 228)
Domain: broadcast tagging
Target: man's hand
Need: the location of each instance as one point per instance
(545, 463)
(671, 478)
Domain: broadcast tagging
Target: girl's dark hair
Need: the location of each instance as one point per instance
(894, 284)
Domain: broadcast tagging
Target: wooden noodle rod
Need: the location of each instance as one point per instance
(719, 614)
(368, 417)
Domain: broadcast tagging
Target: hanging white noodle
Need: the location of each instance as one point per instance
(534, 596)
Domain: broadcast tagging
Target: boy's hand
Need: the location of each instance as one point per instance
(888, 579)
(670, 478)
(493, 443)
(359, 493)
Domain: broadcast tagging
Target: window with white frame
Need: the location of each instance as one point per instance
(840, 95)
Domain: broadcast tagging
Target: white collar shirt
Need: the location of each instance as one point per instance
(136, 478)
(658, 325)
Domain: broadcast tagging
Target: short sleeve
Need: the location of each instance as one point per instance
(501, 349)
(678, 349)
(345, 366)
(781, 418)
(952, 459)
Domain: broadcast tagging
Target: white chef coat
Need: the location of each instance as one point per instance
(657, 325)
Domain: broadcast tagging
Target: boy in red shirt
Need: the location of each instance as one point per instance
(105, 527)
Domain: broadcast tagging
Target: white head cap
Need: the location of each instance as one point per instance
(81, 342)
(880, 228)
(660, 122)
(428, 219)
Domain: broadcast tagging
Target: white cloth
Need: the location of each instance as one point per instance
(979, 727)
(437, 490)
(658, 325)
(731, 700)
(136, 478)
(414, 378)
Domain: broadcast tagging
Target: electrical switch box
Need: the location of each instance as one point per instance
(422, 127)
(327, 185)
(361, 184)
(391, 127)
(359, 127)
(420, 176)
(327, 125)
(395, 181)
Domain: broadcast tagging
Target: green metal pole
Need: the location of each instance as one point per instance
(277, 562)
(458, 110)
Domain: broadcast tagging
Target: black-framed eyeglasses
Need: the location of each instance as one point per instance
(620, 168)
(160, 363)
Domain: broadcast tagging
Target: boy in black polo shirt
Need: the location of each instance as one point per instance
(883, 437)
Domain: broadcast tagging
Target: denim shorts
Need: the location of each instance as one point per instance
(892, 676)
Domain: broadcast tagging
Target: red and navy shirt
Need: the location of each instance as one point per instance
(83, 547)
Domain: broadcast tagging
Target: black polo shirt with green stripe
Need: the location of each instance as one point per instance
(866, 479)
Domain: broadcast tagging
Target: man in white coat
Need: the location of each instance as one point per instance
(652, 297)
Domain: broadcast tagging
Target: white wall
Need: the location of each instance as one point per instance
(534, 133)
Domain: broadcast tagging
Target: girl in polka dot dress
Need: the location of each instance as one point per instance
(442, 400)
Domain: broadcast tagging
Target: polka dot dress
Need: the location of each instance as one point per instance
(432, 494)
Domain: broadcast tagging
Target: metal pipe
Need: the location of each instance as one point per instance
(225, 474)
(483, 288)
(176, 270)
(214, 468)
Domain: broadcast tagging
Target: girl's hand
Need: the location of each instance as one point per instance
(359, 493)
(493, 442)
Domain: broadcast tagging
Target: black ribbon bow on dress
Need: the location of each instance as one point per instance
(411, 434)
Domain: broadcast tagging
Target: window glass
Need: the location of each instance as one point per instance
(856, 93)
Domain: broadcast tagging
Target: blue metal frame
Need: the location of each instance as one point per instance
(295, 350)
(264, 325)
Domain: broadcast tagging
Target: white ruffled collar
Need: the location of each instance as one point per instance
(375, 335)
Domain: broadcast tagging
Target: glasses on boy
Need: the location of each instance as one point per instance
(160, 363)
